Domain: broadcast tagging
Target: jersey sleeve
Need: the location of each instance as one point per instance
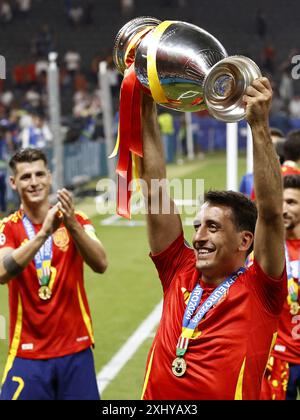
(6, 236)
(87, 225)
(82, 218)
(178, 256)
(269, 291)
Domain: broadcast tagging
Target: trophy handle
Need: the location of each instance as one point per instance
(225, 86)
(129, 38)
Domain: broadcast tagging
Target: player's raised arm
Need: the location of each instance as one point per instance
(269, 233)
(164, 226)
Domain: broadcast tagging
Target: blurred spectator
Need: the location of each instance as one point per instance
(86, 104)
(37, 133)
(32, 99)
(81, 102)
(72, 61)
(291, 165)
(43, 43)
(3, 164)
(286, 89)
(88, 12)
(294, 107)
(166, 124)
(95, 68)
(127, 7)
(278, 140)
(113, 77)
(6, 98)
(5, 12)
(76, 13)
(278, 107)
(80, 82)
(261, 24)
(23, 7)
(268, 58)
(19, 74)
(41, 66)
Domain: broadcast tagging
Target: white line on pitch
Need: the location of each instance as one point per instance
(119, 360)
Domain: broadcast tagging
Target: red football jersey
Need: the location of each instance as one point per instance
(229, 350)
(56, 327)
(287, 345)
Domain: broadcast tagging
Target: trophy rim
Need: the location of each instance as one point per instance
(137, 25)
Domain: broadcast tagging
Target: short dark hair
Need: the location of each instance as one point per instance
(292, 146)
(27, 155)
(244, 210)
(274, 131)
(279, 147)
(291, 181)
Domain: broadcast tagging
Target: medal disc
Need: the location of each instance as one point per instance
(45, 293)
(179, 366)
(294, 309)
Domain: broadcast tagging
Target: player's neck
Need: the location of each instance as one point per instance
(212, 281)
(36, 214)
(293, 233)
(216, 279)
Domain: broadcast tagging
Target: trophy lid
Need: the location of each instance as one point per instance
(225, 86)
(126, 35)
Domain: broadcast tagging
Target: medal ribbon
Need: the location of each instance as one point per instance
(292, 287)
(43, 257)
(190, 322)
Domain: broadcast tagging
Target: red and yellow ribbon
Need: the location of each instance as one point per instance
(129, 142)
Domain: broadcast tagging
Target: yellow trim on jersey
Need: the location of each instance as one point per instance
(20, 387)
(271, 348)
(239, 386)
(148, 373)
(52, 277)
(15, 342)
(85, 316)
(156, 89)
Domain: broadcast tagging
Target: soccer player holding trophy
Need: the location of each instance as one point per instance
(219, 319)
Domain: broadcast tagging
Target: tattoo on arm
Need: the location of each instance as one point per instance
(10, 265)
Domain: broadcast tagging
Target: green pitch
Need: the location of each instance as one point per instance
(127, 293)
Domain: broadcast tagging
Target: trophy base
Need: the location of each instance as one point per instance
(225, 86)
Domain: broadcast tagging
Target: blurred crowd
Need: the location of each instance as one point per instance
(24, 117)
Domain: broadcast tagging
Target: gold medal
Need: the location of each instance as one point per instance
(179, 366)
(294, 309)
(45, 293)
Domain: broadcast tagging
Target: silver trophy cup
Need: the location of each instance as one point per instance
(191, 67)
